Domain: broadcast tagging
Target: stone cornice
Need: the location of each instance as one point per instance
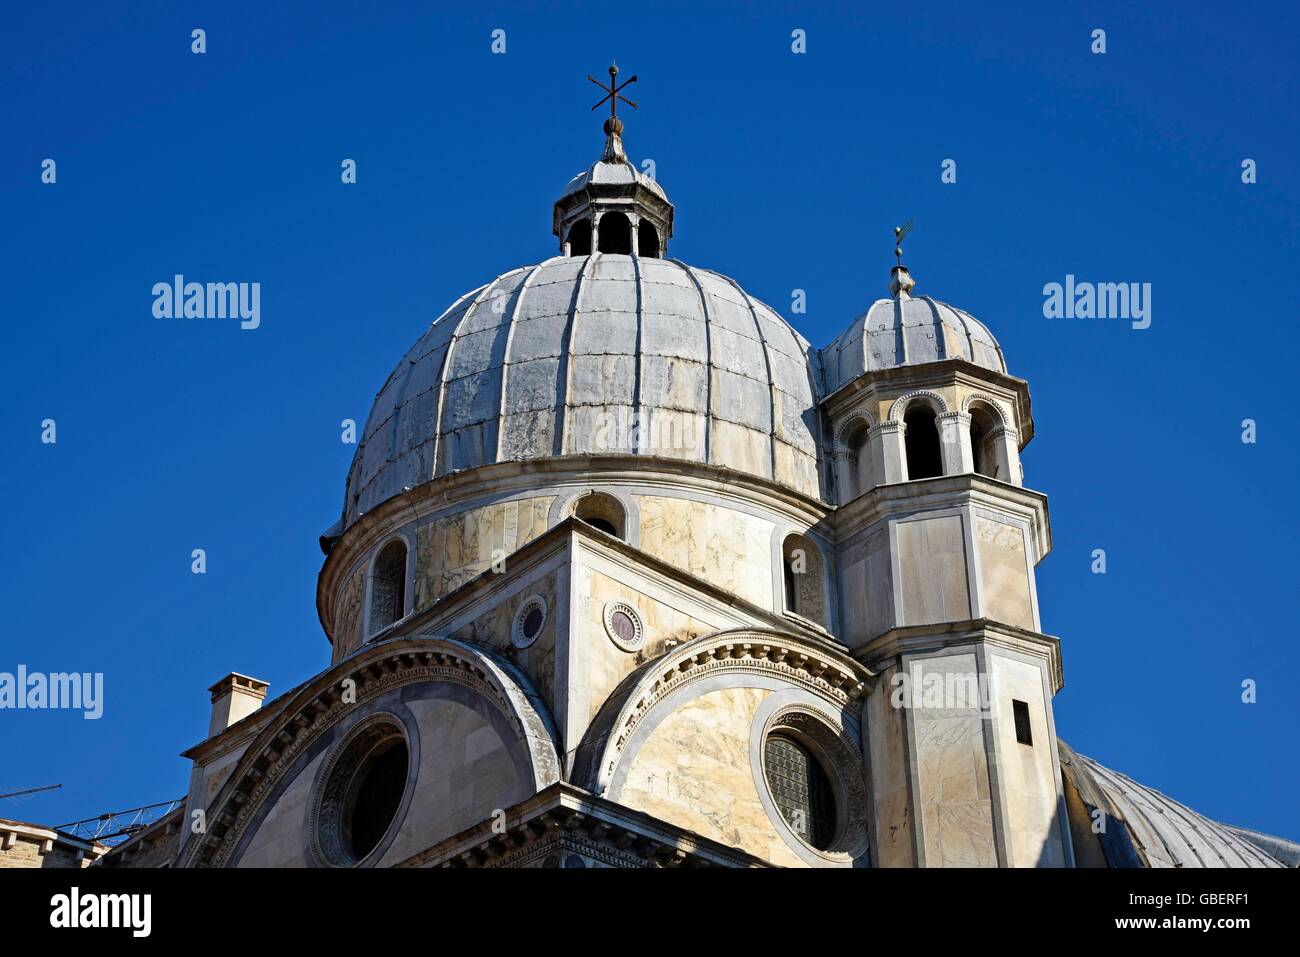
(918, 639)
(944, 491)
(48, 838)
(629, 837)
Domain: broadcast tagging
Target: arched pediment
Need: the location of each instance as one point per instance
(335, 699)
(686, 739)
(829, 675)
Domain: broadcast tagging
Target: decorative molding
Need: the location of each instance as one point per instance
(1003, 418)
(858, 416)
(899, 407)
(318, 707)
(562, 820)
(830, 675)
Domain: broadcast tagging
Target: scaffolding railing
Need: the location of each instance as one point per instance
(117, 826)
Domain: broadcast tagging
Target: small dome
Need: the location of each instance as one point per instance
(599, 354)
(906, 331)
(621, 173)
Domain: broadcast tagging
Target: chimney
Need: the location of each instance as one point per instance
(234, 698)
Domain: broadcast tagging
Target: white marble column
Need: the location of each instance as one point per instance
(888, 452)
(954, 441)
(1006, 443)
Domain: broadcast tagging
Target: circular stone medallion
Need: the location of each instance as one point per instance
(623, 625)
(529, 621)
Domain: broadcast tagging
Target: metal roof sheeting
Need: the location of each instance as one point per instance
(596, 354)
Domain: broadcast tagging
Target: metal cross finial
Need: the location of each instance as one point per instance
(613, 92)
(900, 233)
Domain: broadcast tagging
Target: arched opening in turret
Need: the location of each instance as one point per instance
(602, 511)
(580, 238)
(982, 444)
(924, 459)
(801, 566)
(647, 239)
(860, 474)
(388, 586)
(615, 234)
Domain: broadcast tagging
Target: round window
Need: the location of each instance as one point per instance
(362, 792)
(623, 625)
(378, 792)
(529, 621)
(800, 789)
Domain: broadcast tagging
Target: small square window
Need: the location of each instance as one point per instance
(1023, 732)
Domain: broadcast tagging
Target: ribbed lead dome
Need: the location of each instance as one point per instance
(600, 354)
(906, 331)
(1164, 832)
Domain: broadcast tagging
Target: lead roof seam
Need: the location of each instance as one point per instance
(638, 380)
(505, 356)
(570, 328)
(965, 327)
(446, 365)
(1183, 811)
(1166, 802)
(1137, 812)
(902, 331)
(771, 383)
(708, 358)
(398, 405)
(1129, 812)
(941, 340)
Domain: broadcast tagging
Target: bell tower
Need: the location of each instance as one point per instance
(937, 541)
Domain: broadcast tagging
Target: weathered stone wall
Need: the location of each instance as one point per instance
(452, 550)
(1005, 573)
(932, 570)
(461, 769)
(885, 737)
(694, 770)
(493, 629)
(348, 617)
(605, 663)
(951, 767)
(722, 545)
(1027, 773)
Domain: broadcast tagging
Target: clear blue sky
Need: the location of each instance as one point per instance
(788, 171)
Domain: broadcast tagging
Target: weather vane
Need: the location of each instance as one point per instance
(613, 92)
(900, 233)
